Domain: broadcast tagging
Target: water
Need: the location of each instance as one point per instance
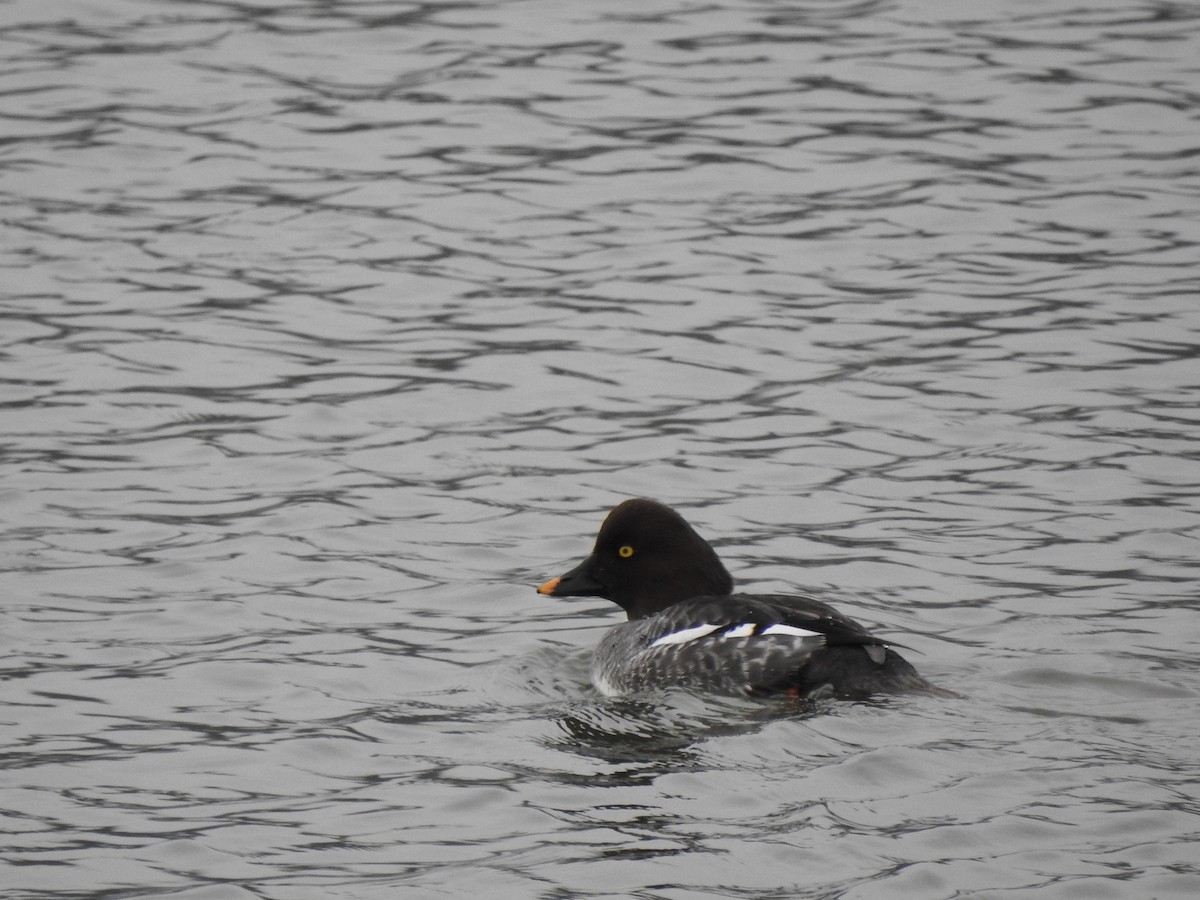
(329, 330)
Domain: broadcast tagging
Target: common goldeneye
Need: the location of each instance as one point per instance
(687, 628)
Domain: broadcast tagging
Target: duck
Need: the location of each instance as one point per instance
(686, 628)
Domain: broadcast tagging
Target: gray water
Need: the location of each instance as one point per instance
(331, 329)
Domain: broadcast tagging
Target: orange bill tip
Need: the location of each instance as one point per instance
(549, 586)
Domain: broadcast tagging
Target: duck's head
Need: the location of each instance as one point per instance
(646, 558)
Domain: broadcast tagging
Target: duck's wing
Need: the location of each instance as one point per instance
(853, 662)
(732, 644)
(803, 612)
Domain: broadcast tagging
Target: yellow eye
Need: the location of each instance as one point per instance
(625, 551)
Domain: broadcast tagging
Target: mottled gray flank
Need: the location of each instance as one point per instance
(328, 330)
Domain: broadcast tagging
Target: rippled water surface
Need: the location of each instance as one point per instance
(330, 329)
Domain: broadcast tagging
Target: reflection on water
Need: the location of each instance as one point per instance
(329, 329)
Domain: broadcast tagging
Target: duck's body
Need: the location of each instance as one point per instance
(687, 629)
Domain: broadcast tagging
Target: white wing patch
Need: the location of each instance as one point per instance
(740, 631)
(745, 630)
(789, 629)
(685, 635)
